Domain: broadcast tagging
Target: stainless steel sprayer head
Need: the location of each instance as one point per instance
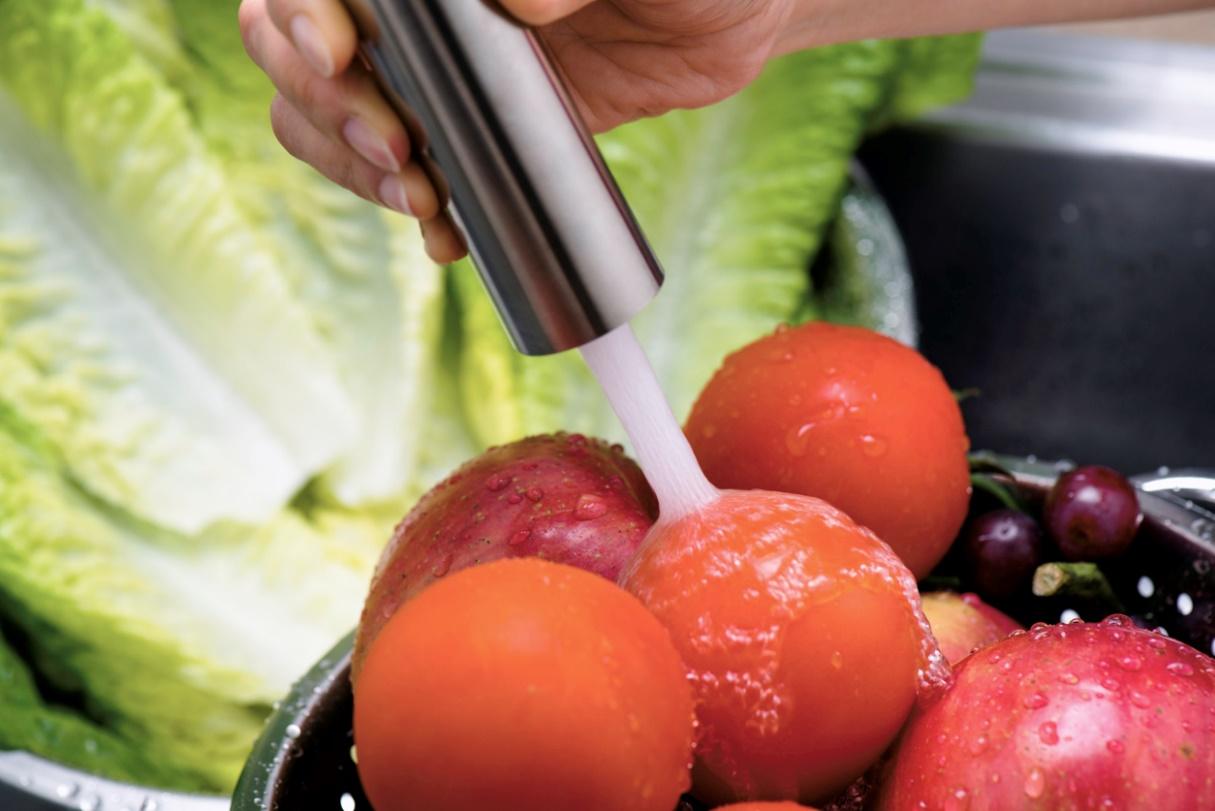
(550, 233)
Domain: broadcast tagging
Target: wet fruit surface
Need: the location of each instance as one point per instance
(803, 639)
(846, 415)
(563, 497)
(1092, 513)
(523, 684)
(962, 623)
(1077, 716)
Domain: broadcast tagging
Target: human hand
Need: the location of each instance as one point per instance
(622, 59)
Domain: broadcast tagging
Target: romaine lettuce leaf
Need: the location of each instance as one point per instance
(144, 325)
(362, 272)
(180, 645)
(29, 724)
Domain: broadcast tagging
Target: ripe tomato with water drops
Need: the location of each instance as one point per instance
(802, 635)
(1076, 716)
(523, 684)
(849, 416)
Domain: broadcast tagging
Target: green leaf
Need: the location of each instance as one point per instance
(180, 645)
(144, 326)
(932, 72)
(27, 723)
(362, 272)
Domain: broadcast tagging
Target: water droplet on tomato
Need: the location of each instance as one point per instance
(1140, 700)
(1035, 701)
(873, 446)
(1115, 746)
(797, 439)
(978, 745)
(958, 800)
(1035, 783)
(443, 566)
(1069, 678)
(534, 494)
(497, 482)
(520, 537)
(1048, 733)
(837, 660)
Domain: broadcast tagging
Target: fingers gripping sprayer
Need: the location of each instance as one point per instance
(555, 243)
(553, 239)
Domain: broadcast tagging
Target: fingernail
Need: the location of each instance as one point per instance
(392, 194)
(368, 143)
(311, 45)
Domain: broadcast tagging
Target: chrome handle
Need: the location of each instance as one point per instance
(550, 233)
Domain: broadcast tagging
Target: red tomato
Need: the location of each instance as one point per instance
(523, 684)
(801, 634)
(846, 415)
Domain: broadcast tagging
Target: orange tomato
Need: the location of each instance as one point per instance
(802, 638)
(846, 415)
(523, 684)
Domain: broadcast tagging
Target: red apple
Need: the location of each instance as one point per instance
(1077, 716)
(963, 623)
(563, 497)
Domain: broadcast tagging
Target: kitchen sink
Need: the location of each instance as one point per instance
(1061, 231)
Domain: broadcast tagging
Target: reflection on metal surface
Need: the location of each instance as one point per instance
(29, 783)
(1096, 95)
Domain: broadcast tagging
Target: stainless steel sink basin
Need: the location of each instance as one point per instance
(1061, 231)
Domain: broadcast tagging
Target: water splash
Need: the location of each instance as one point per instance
(623, 370)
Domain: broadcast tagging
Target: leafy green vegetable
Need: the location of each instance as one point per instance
(29, 724)
(146, 328)
(362, 272)
(179, 644)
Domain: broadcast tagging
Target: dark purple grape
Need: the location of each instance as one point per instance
(1092, 513)
(1002, 548)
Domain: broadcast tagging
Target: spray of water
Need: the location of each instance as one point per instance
(623, 370)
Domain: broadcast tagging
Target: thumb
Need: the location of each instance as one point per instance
(542, 12)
